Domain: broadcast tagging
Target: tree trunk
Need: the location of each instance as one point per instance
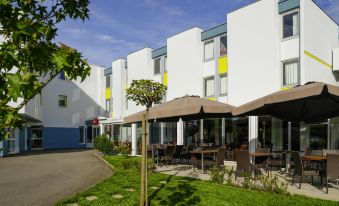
(143, 187)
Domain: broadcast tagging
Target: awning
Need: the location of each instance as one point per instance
(28, 119)
(311, 102)
(186, 108)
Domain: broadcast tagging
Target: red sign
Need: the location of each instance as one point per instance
(95, 121)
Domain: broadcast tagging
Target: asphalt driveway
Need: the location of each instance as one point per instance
(43, 178)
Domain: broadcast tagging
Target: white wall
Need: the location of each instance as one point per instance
(118, 87)
(139, 67)
(184, 52)
(85, 100)
(253, 52)
(319, 36)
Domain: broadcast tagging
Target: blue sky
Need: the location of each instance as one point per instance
(119, 27)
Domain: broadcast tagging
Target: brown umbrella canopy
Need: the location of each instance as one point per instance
(187, 108)
(311, 102)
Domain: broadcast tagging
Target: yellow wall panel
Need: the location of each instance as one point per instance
(164, 79)
(212, 98)
(108, 93)
(223, 65)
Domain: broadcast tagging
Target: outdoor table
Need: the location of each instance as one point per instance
(317, 158)
(202, 152)
(259, 154)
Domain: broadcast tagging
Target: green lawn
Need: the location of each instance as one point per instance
(179, 191)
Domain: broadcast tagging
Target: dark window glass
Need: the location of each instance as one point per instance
(108, 81)
(157, 66)
(81, 133)
(290, 25)
(223, 45)
(62, 75)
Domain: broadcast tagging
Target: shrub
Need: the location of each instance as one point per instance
(103, 144)
(124, 149)
(131, 163)
(230, 172)
(248, 181)
(273, 185)
(217, 175)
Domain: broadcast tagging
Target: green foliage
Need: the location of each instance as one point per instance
(146, 92)
(230, 173)
(273, 185)
(217, 174)
(29, 55)
(248, 182)
(131, 163)
(124, 149)
(103, 144)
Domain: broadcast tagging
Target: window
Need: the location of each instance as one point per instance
(165, 64)
(108, 81)
(223, 85)
(81, 134)
(209, 50)
(223, 46)
(157, 66)
(62, 75)
(108, 105)
(209, 87)
(290, 73)
(62, 101)
(291, 25)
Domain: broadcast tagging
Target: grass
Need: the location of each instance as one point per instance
(178, 191)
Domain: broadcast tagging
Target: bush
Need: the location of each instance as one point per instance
(273, 185)
(230, 172)
(132, 163)
(124, 149)
(217, 175)
(103, 144)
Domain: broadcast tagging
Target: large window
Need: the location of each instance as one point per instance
(157, 66)
(290, 25)
(209, 87)
(290, 72)
(62, 101)
(208, 50)
(223, 46)
(108, 81)
(223, 85)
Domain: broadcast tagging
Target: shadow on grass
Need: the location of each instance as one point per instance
(182, 192)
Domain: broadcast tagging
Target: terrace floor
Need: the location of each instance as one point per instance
(307, 188)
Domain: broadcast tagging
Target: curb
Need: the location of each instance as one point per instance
(104, 161)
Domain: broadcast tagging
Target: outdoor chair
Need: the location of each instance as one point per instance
(195, 161)
(300, 169)
(278, 161)
(243, 163)
(220, 158)
(178, 153)
(262, 162)
(186, 153)
(332, 170)
(169, 153)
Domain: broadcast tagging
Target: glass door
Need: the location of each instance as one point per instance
(318, 136)
(11, 142)
(37, 139)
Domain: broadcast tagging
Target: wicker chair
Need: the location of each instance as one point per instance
(262, 162)
(278, 161)
(178, 153)
(332, 170)
(242, 158)
(169, 154)
(220, 158)
(301, 170)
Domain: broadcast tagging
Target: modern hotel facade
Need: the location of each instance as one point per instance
(264, 47)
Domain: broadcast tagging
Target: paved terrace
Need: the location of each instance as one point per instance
(43, 178)
(307, 188)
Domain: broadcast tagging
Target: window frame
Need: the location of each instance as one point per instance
(205, 81)
(83, 138)
(66, 101)
(158, 58)
(221, 76)
(282, 72)
(108, 102)
(211, 41)
(282, 25)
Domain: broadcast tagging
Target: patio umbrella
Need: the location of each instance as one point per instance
(311, 102)
(186, 108)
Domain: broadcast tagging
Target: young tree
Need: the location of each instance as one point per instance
(29, 56)
(145, 93)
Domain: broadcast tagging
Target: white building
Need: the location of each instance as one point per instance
(262, 48)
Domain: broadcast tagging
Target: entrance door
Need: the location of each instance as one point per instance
(92, 133)
(37, 139)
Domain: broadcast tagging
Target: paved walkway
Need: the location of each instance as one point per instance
(306, 189)
(43, 178)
